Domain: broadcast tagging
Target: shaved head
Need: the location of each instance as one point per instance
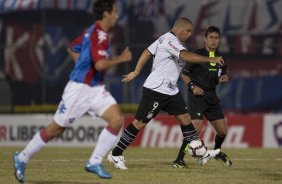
(182, 21)
(182, 28)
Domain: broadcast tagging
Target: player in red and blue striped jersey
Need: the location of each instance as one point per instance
(85, 92)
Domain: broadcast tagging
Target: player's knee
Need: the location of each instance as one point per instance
(222, 133)
(199, 129)
(139, 124)
(53, 130)
(116, 122)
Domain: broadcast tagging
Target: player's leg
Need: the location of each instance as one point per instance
(68, 110)
(39, 140)
(221, 130)
(106, 107)
(177, 107)
(129, 134)
(190, 133)
(149, 107)
(215, 115)
(179, 161)
(108, 136)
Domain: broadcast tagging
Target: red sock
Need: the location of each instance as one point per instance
(44, 135)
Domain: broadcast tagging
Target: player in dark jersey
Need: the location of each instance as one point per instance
(202, 80)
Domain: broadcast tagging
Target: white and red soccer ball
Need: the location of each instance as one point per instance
(197, 148)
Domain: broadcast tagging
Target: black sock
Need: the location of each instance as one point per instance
(218, 141)
(127, 137)
(189, 133)
(181, 153)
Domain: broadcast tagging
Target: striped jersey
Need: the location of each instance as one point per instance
(92, 45)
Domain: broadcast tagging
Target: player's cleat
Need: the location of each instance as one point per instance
(97, 169)
(223, 158)
(179, 164)
(209, 155)
(118, 161)
(19, 168)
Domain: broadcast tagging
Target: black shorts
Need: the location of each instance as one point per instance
(207, 105)
(152, 102)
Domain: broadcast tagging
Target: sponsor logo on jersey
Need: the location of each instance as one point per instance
(161, 39)
(101, 36)
(172, 46)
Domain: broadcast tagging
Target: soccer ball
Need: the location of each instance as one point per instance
(197, 148)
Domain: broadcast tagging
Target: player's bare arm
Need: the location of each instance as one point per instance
(145, 56)
(191, 57)
(196, 89)
(104, 64)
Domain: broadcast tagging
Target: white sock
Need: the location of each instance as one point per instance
(104, 144)
(33, 146)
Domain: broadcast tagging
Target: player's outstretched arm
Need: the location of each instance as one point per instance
(145, 56)
(191, 57)
(104, 64)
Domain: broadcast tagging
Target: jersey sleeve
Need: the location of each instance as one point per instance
(174, 47)
(153, 47)
(76, 44)
(224, 69)
(186, 69)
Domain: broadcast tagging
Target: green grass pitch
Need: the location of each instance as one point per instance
(146, 166)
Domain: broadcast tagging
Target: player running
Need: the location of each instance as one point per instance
(85, 93)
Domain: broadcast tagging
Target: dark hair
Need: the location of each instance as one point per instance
(182, 20)
(212, 29)
(100, 6)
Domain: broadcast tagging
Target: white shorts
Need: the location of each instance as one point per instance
(78, 99)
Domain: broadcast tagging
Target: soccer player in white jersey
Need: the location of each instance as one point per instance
(85, 92)
(160, 91)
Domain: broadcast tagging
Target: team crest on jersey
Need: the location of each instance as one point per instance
(150, 115)
(161, 39)
(62, 108)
